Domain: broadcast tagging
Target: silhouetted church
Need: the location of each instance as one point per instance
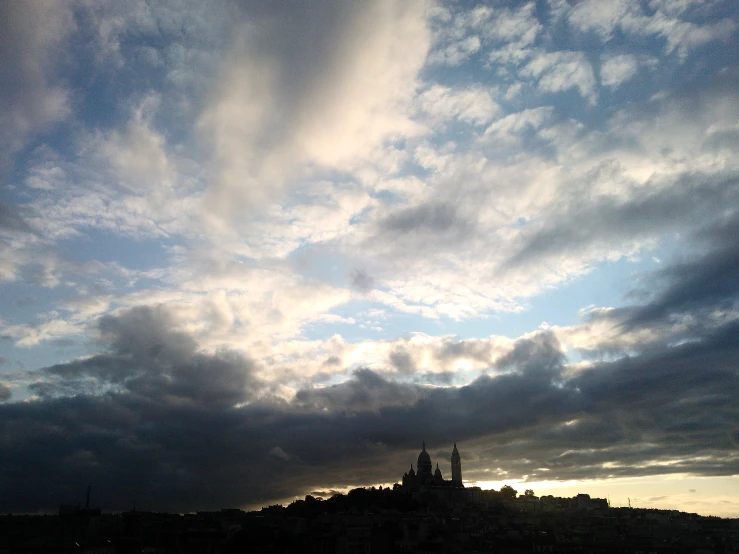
(423, 478)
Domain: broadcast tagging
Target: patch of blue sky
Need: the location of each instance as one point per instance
(364, 327)
(105, 246)
(315, 261)
(41, 355)
(21, 301)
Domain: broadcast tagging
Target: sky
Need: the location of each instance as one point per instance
(255, 250)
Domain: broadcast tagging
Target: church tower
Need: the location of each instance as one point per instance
(456, 467)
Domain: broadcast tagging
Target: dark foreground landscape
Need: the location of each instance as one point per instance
(379, 520)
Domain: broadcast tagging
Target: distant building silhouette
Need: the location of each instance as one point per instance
(424, 479)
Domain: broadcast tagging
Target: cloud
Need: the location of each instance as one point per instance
(539, 352)
(520, 26)
(703, 287)
(337, 82)
(11, 220)
(616, 70)
(473, 105)
(645, 214)
(138, 154)
(561, 71)
(146, 357)
(233, 361)
(669, 20)
(367, 391)
(34, 98)
(362, 281)
(508, 128)
(168, 431)
(512, 33)
(278, 452)
(600, 18)
(439, 219)
(456, 52)
(683, 36)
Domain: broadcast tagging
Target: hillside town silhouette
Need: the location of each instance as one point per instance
(423, 513)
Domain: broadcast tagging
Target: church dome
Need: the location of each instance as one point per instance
(424, 461)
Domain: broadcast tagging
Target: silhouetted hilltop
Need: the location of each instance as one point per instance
(379, 520)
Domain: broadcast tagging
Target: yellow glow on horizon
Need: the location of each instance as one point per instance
(715, 496)
(707, 496)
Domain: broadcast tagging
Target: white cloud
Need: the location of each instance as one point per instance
(520, 26)
(513, 34)
(125, 180)
(669, 20)
(685, 36)
(32, 335)
(137, 153)
(456, 52)
(616, 70)
(601, 18)
(326, 92)
(473, 105)
(561, 71)
(509, 127)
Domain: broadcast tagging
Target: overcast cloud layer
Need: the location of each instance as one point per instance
(249, 251)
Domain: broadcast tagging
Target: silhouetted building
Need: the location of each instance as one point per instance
(424, 479)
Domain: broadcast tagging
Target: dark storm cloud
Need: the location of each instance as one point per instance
(700, 285)
(443, 378)
(671, 411)
(402, 361)
(452, 350)
(5, 392)
(540, 352)
(168, 449)
(367, 391)
(167, 434)
(147, 358)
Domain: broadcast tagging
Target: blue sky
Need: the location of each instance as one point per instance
(353, 217)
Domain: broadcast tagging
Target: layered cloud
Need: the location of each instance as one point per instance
(245, 247)
(155, 421)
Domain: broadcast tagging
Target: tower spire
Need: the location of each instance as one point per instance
(456, 467)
